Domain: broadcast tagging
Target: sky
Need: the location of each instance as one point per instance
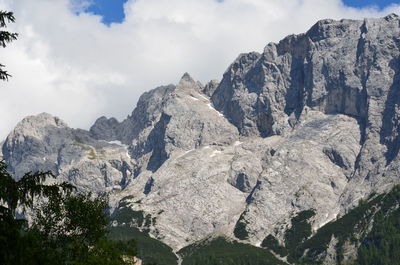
(365, 3)
(82, 59)
(111, 11)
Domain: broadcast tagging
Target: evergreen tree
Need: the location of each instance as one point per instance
(21, 193)
(67, 227)
(6, 37)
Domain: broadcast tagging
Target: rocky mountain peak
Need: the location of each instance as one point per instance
(36, 125)
(105, 129)
(186, 78)
(187, 83)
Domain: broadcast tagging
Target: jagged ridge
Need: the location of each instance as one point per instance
(310, 123)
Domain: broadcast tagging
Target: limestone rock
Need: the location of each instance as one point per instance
(210, 88)
(345, 67)
(170, 118)
(105, 129)
(44, 142)
(1, 150)
(312, 122)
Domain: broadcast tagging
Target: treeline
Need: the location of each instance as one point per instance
(222, 251)
(373, 228)
(382, 244)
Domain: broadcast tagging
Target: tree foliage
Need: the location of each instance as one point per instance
(67, 227)
(382, 244)
(222, 251)
(22, 192)
(73, 216)
(6, 37)
(73, 230)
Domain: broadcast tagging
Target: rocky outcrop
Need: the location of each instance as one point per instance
(264, 94)
(312, 122)
(210, 88)
(44, 142)
(338, 67)
(166, 119)
(298, 174)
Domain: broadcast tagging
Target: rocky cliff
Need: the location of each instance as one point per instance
(311, 123)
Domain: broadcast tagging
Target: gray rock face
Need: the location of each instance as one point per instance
(146, 113)
(1, 150)
(166, 119)
(299, 175)
(334, 67)
(105, 129)
(28, 145)
(44, 142)
(338, 67)
(210, 87)
(310, 123)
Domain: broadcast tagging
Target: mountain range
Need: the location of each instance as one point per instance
(286, 144)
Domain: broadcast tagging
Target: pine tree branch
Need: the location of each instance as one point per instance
(7, 37)
(6, 17)
(4, 75)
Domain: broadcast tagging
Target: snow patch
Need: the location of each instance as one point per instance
(117, 143)
(212, 107)
(203, 97)
(185, 153)
(215, 152)
(236, 143)
(193, 98)
(188, 151)
(334, 217)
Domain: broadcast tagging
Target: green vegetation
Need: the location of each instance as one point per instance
(223, 252)
(271, 243)
(379, 244)
(240, 231)
(299, 231)
(68, 228)
(343, 229)
(382, 244)
(90, 150)
(150, 250)
(126, 215)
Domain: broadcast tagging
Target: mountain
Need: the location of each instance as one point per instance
(291, 137)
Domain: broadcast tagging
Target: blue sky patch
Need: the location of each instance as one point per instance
(112, 11)
(364, 3)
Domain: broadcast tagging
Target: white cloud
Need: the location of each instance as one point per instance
(78, 6)
(79, 69)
